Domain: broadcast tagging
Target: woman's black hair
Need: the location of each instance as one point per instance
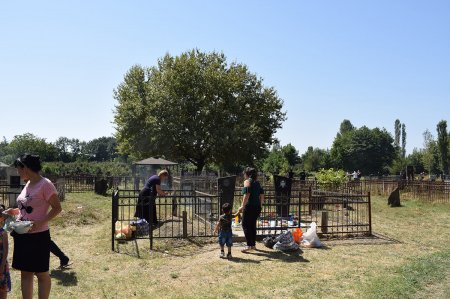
(33, 162)
(251, 173)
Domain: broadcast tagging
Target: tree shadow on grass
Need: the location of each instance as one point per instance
(64, 277)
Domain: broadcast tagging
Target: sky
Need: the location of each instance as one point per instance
(370, 62)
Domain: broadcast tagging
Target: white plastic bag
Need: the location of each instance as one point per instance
(310, 238)
(21, 227)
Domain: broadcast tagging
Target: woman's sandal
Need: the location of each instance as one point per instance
(247, 249)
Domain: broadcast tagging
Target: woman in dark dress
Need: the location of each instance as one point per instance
(147, 197)
(251, 206)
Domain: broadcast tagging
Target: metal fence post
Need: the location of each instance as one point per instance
(324, 222)
(114, 213)
(370, 213)
(185, 234)
(150, 225)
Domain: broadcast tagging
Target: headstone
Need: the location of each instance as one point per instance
(225, 189)
(394, 198)
(410, 172)
(282, 194)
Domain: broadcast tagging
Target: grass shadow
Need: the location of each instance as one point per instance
(124, 248)
(239, 260)
(64, 277)
(374, 239)
(285, 256)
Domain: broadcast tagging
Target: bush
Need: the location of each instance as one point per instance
(331, 179)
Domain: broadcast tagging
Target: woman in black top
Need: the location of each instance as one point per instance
(251, 207)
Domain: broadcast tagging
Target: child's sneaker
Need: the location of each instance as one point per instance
(229, 256)
(222, 255)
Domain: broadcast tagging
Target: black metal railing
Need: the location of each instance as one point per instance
(191, 213)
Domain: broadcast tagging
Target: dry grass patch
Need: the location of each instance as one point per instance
(416, 240)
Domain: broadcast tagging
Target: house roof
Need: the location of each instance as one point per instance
(155, 161)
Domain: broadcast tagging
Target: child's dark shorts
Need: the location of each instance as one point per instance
(226, 238)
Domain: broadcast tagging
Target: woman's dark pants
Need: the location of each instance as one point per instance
(249, 217)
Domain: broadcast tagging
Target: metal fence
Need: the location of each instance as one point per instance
(8, 195)
(191, 213)
(438, 192)
(428, 191)
(183, 214)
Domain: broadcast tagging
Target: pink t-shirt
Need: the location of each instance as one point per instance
(33, 202)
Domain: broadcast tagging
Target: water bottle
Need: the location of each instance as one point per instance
(291, 220)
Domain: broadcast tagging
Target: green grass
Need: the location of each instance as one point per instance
(415, 275)
(410, 259)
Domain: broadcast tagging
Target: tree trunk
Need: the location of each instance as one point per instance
(200, 164)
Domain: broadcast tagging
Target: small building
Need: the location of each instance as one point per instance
(10, 184)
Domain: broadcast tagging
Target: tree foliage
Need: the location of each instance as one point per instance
(345, 127)
(315, 158)
(291, 154)
(397, 133)
(416, 159)
(29, 143)
(403, 141)
(275, 162)
(196, 107)
(369, 150)
(331, 179)
(64, 149)
(281, 160)
(443, 145)
(101, 149)
(430, 152)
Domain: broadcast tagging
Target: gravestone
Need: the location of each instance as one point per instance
(282, 194)
(100, 186)
(394, 198)
(225, 189)
(410, 173)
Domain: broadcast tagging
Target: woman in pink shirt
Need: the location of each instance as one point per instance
(38, 202)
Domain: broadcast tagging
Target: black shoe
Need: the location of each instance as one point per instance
(229, 256)
(64, 262)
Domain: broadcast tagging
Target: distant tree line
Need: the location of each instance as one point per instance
(371, 151)
(62, 150)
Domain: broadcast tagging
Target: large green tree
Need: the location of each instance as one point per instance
(369, 150)
(196, 107)
(281, 159)
(430, 152)
(69, 150)
(101, 149)
(291, 154)
(443, 145)
(315, 158)
(416, 159)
